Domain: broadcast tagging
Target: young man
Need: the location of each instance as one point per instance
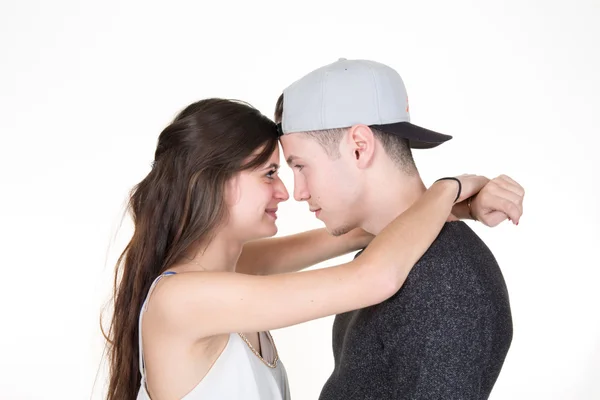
(346, 133)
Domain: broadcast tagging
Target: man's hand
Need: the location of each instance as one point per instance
(500, 199)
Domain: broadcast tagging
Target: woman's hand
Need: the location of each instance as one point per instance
(500, 199)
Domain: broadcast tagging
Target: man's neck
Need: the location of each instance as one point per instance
(389, 197)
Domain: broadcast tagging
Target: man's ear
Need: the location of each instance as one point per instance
(361, 143)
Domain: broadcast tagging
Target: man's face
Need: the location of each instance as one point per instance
(329, 186)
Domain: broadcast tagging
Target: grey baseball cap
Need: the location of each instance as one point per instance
(351, 92)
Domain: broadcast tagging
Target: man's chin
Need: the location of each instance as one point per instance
(338, 230)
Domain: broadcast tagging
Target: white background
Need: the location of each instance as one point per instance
(86, 87)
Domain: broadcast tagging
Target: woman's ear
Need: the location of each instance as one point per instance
(232, 191)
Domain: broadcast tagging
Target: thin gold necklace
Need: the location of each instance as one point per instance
(192, 262)
(268, 364)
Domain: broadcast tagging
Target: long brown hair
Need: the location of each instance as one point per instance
(179, 203)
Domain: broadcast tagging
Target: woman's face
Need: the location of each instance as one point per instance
(253, 198)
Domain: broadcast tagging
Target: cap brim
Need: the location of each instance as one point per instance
(418, 138)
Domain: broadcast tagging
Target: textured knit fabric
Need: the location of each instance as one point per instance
(444, 335)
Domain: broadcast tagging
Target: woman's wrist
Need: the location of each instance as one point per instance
(449, 186)
(450, 178)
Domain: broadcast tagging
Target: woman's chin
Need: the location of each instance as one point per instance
(266, 230)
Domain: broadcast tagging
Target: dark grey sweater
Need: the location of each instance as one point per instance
(444, 335)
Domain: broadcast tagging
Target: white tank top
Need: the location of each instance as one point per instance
(237, 373)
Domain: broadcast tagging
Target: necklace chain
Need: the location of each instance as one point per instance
(268, 364)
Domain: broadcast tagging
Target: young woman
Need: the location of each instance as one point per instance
(192, 309)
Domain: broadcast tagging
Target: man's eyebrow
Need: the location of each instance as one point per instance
(290, 159)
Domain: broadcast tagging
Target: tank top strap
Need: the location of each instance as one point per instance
(144, 306)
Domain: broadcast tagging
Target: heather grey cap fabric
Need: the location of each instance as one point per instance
(351, 92)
